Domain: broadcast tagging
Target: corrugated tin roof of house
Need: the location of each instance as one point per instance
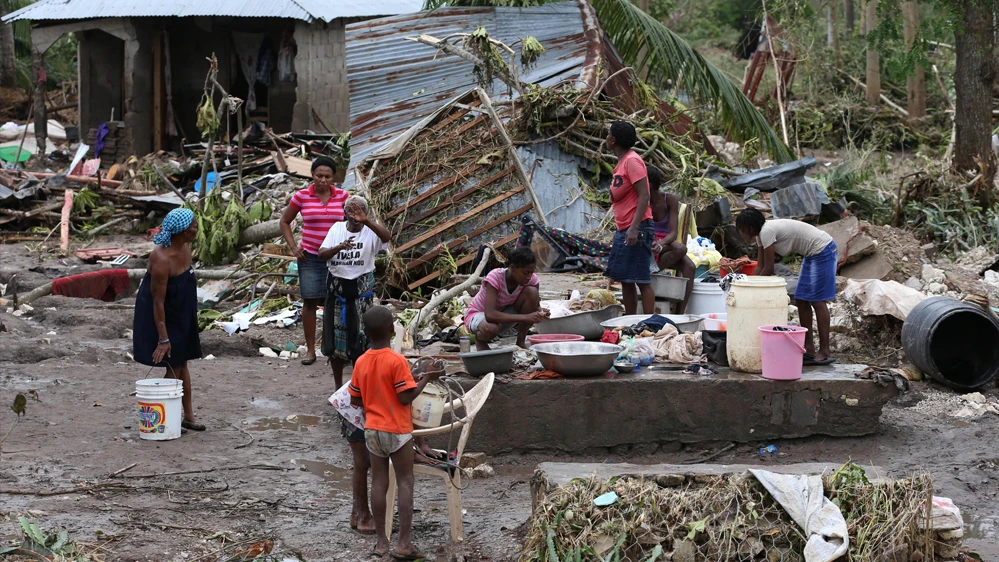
(329, 10)
(394, 83)
(306, 10)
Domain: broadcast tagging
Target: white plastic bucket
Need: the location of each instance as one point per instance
(715, 322)
(428, 408)
(753, 302)
(160, 408)
(706, 298)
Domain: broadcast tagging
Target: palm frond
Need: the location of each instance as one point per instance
(646, 44)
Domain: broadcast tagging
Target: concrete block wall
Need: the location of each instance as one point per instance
(321, 65)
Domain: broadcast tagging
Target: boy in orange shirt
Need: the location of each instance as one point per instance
(384, 386)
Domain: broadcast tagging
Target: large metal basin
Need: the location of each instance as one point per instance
(586, 324)
(577, 358)
(684, 322)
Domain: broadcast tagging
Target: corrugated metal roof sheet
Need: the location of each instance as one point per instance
(394, 83)
(306, 10)
(329, 10)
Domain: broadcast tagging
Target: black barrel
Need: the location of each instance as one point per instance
(954, 342)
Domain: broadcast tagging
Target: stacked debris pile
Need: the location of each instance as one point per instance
(733, 518)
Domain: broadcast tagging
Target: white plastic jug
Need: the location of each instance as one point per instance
(751, 303)
(428, 408)
(160, 408)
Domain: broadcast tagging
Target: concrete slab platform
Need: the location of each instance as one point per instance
(549, 476)
(648, 409)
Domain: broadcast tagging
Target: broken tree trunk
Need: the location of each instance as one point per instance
(873, 61)
(259, 233)
(427, 311)
(915, 82)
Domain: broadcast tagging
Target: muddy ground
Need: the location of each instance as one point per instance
(273, 465)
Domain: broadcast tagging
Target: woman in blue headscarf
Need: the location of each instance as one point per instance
(165, 326)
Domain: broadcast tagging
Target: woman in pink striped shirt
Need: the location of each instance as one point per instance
(321, 206)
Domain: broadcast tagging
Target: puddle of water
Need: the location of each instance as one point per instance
(982, 527)
(290, 423)
(338, 478)
(265, 403)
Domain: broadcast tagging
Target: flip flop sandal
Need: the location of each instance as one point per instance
(193, 426)
(826, 361)
(415, 554)
(308, 360)
(366, 532)
(377, 554)
(808, 357)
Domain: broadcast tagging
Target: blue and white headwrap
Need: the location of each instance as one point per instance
(176, 221)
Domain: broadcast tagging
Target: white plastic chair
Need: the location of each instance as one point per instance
(472, 402)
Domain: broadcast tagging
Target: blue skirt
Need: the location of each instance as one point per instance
(817, 280)
(312, 273)
(632, 264)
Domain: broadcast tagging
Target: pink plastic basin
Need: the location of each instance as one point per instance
(553, 338)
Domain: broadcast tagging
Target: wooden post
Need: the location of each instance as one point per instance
(873, 61)
(158, 106)
(67, 208)
(915, 82)
(41, 116)
(518, 166)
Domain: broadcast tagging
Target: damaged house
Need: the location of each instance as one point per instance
(143, 64)
(439, 156)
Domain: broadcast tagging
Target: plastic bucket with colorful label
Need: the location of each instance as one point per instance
(160, 408)
(783, 350)
(428, 408)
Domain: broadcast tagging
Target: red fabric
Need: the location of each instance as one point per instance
(101, 285)
(610, 336)
(624, 197)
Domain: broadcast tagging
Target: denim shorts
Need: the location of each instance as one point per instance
(631, 264)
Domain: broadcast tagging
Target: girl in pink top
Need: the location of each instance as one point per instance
(321, 206)
(630, 260)
(508, 296)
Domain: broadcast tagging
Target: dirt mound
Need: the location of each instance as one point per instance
(14, 104)
(901, 248)
(216, 342)
(22, 351)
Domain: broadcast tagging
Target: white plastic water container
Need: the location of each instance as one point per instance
(160, 408)
(706, 298)
(753, 302)
(428, 408)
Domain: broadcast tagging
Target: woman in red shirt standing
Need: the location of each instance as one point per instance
(321, 205)
(630, 260)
